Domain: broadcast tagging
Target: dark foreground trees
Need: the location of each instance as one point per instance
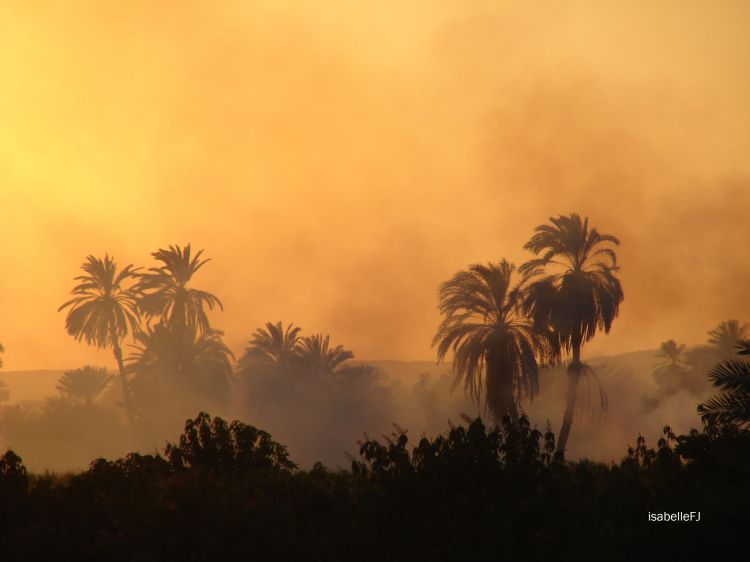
(229, 491)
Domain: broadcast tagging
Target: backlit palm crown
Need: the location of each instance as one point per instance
(273, 344)
(84, 384)
(671, 352)
(315, 352)
(575, 289)
(103, 309)
(727, 335)
(482, 315)
(165, 294)
(181, 353)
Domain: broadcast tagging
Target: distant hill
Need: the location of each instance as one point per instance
(409, 371)
(31, 385)
(40, 384)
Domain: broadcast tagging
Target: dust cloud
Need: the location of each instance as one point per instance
(338, 161)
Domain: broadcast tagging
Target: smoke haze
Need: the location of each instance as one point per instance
(339, 162)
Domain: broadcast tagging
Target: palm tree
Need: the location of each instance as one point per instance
(104, 310)
(315, 353)
(2, 350)
(168, 360)
(164, 291)
(272, 344)
(732, 404)
(670, 373)
(495, 346)
(726, 336)
(671, 352)
(84, 384)
(575, 292)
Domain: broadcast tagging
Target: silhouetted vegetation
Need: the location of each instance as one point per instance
(229, 491)
(164, 295)
(84, 384)
(496, 348)
(104, 311)
(687, 369)
(732, 404)
(575, 292)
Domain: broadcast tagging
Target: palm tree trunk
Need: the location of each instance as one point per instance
(574, 374)
(124, 384)
(500, 391)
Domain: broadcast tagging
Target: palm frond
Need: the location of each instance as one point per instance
(496, 347)
(164, 294)
(104, 309)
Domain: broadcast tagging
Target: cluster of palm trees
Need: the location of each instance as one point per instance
(161, 311)
(285, 348)
(680, 368)
(174, 343)
(503, 323)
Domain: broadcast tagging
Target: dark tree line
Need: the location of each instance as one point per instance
(229, 491)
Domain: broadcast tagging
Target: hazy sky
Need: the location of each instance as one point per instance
(338, 160)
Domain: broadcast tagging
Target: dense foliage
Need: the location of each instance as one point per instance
(228, 491)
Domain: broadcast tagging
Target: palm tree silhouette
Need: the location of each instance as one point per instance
(84, 384)
(726, 336)
(671, 352)
(104, 310)
(316, 354)
(272, 344)
(732, 404)
(575, 292)
(2, 350)
(176, 359)
(165, 295)
(495, 346)
(671, 372)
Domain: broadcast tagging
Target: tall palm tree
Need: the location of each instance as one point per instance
(732, 404)
(725, 337)
(165, 295)
(167, 360)
(316, 354)
(272, 344)
(575, 292)
(104, 310)
(496, 348)
(84, 384)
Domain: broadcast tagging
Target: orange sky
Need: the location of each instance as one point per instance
(338, 161)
